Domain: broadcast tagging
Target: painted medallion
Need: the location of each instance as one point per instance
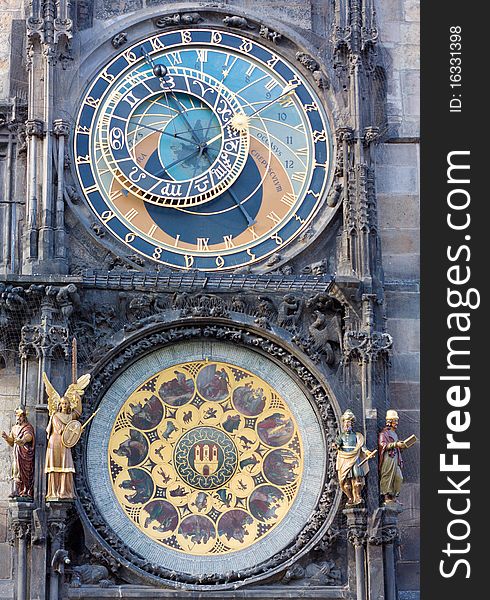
(205, 458)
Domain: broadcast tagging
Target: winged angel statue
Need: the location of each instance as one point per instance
(64, 431)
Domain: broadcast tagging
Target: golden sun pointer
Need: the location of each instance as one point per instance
(240, 122)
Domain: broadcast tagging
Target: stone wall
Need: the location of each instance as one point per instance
(9, 10)
(398, 215)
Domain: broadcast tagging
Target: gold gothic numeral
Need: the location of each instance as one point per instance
(289, 199)
(202, 244)
(131, 214)
(319, 136)
(274, 217)
(186, 36)
(272, 62)
(310, 107)
(157, 44)
(107, 215)
(246, 46)
(228, 240)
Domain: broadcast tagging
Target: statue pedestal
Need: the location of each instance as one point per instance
(58, 515)
(20, 517)
(383, 533)
(357, 536)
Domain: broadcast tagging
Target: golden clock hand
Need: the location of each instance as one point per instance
(243, 210)
(173, 135)
(287, 90)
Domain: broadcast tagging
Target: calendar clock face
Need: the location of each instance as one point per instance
(204, 457)
(202, 149)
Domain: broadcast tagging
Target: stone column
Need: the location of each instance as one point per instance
(7, 235)
(61, 130)
(20, 516)
(34, 132)
(58, 514)
(357, 536)
(41, 345)
(383, 535)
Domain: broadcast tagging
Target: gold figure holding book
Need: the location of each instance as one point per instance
(390, 458)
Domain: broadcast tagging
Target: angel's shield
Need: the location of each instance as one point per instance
(71, 433)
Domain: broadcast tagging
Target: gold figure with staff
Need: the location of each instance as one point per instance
(64, 431)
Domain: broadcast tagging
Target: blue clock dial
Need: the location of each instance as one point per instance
(203, 150)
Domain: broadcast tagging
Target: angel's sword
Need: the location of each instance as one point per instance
(89, 419)
(74, 360)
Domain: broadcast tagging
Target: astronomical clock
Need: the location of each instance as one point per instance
(206, 149)
(202, 149)
(205, 458)
(205, 233)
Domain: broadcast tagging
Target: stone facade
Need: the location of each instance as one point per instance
(92, 288)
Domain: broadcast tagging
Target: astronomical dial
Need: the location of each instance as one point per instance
(202, 150)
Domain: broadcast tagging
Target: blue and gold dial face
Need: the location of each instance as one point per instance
(202, 149)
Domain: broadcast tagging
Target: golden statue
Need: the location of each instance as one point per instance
(352, 457)
(390, 458)
(64, 430)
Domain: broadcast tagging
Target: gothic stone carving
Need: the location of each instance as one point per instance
(237, 22)
(178, 19)
(314, 574)
(270, 34)
(119, 39)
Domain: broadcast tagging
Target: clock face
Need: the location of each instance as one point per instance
(202, 149)
(205, 457)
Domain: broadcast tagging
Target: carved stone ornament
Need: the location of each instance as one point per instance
(119, 39)
(357, 533)
(21, 530)
(269, 34)
(384, 529)
(237, 22)
(178, 19)
(210, 329)
(37, 340)
(365, 347)
(61, 128)
(34, 127)
(371, 135)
